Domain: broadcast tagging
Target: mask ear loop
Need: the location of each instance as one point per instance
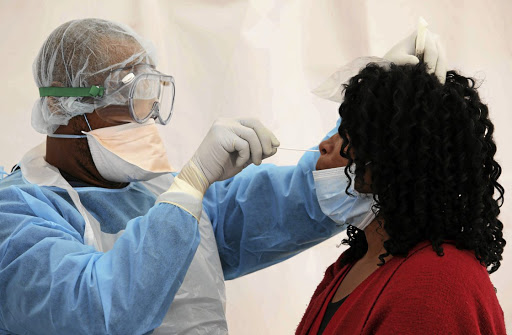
(88, 125)
(87, 121)
(72, 136)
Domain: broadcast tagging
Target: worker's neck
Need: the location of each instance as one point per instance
(73, 157)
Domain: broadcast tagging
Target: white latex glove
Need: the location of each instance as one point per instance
(229, 146)
(434, 56)
(402, 53)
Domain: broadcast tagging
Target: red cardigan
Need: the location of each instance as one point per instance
(419, 294)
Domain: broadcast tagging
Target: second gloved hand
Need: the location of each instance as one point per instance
(404, 53)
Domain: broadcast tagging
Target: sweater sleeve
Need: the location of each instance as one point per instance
(429, 294)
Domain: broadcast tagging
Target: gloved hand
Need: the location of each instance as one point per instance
(434, 56)
(229, 146)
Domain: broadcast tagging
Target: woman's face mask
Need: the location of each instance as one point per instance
(331, 183)
(344, 209)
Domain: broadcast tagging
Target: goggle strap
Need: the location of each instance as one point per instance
(93, 91)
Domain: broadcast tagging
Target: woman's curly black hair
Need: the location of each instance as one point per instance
(430, 151)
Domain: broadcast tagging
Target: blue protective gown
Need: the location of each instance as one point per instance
(52, 283)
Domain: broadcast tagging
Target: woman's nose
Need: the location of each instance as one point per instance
(326, 146)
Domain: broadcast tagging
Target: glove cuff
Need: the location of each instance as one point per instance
(183, 195)
(187, 190)
(194, 176)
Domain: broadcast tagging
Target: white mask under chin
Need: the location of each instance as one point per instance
(336, 204)
(128, 152)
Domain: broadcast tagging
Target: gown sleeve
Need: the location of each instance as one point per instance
(52, 283)
(267, 214)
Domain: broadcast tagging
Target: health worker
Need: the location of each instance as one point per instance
(98, 237)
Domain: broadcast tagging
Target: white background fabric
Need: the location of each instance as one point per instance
(261, 58)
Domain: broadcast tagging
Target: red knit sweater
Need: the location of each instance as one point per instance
(420, 294)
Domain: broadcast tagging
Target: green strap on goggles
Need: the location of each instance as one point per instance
(93, 91)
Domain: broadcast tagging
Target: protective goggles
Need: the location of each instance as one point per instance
(134, 93)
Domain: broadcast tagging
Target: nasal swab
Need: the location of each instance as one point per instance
(298, 149)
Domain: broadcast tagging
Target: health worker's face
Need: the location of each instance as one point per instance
(330, 154)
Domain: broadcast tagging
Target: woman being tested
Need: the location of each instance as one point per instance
(423, 152)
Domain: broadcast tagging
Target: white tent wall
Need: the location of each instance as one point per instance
(261, 59)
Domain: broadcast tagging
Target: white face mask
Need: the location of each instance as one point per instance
(128, 152)
(336, 204)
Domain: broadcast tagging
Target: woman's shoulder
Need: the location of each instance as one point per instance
(431, 294)
(454, 288)
(456, 271)
(452, 260)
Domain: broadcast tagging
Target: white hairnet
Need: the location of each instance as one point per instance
(80, 53)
